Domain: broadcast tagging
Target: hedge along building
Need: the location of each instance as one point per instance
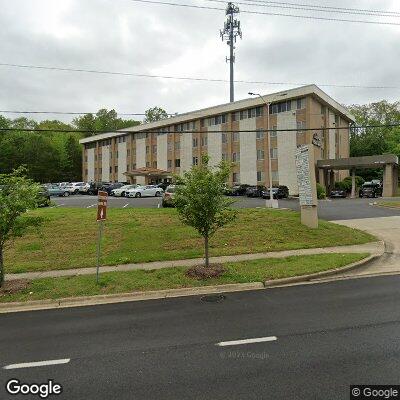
(234, 132)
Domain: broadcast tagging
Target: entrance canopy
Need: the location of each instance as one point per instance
(149, 174)
(358, 162)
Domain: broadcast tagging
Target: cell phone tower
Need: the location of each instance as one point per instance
(229, 33)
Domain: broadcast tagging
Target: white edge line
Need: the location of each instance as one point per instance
(126, 205)
(247, 341)
(37, 364)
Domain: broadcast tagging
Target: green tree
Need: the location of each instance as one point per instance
(73, 160)
(200, 200)
(154, 114)
(17, 195)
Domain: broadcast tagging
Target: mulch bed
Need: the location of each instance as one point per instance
(14, 286)
(202, 272)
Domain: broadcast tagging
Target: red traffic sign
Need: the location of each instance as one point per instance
(102, 206)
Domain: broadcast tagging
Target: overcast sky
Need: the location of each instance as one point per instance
(127, 36)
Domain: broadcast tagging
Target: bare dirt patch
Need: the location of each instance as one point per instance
(14, 286)
(202, 272)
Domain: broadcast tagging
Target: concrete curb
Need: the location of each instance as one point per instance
(323, 274)
(125, 297)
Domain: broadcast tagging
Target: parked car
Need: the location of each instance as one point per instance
(255, 191)
(74, 187)
(94, 188)
(369, 189)
(163, 185)
(169, 195)
(145, 191)
(121, 191)
(110, 187)
(236, 190)
(377, 182)
(55, 190)
(43, 197)
(280, 192)
(340, 193)
(84, 189)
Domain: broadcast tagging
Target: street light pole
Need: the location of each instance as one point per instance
(272, 203)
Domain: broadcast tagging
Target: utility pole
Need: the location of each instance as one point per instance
(230, 32)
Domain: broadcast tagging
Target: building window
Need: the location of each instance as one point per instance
(128, 152)
(235, 177)
(204, 141)
(260, 176)
(195, 142)
(116, 168)
(301, 103)
(169, 164)
(273, 132)
(110, 170)
(235, 136)
(154, 148)
(225, 157)
(147, 149)
(177, 162)
(195, 161)
(274, 152)
(169, 146)
(235, 157)
(282, 106)
(117, 154)
(259, 112)
(127, 167)
(100, 156)
(100, 170)
(260, 134)
(224, 138)
(121, 139)
(147, 164)
(177, 145)
(243, 114)
(154, 164)
(275, 176)
(260, 154)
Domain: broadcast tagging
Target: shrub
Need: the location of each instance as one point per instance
(321, 192)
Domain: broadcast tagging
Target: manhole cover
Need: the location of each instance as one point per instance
(213, 298)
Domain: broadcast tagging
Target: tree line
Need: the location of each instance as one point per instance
(53, 156)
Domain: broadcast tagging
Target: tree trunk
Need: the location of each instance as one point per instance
(206, 251)
(1, 267)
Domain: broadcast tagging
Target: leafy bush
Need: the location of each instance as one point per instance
(359, 181)
(345, 184)
(321, 192)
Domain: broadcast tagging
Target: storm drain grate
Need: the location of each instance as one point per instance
(213, 298)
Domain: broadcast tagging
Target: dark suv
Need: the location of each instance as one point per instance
(280, 192)
(369, 189)
(236, 190)
(255, 191)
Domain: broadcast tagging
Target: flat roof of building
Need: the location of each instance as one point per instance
(358, 162)
(229, 107)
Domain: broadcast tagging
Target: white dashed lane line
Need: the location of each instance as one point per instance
(126, 205)
(92, 205)
(248, 341)
(37, 364)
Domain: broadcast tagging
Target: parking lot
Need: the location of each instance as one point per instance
(335, 209)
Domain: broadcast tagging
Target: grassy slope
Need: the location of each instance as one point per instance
(170, 278)
(68, 239)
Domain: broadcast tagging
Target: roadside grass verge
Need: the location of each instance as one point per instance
(391, 204)
(173, 278)
(68, 237)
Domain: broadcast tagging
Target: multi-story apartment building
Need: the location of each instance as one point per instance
(234, 132)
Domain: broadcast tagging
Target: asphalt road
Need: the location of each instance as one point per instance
(335, 209)
(328, 336)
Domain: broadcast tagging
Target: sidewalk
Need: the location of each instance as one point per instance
(386, 229)
(374, 248)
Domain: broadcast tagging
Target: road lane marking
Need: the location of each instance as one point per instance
(247, 341)
(37, 364)
(60, 205)
(92, 205)
(126, 205)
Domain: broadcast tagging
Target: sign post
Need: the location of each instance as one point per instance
(101, 217)
(305, 168)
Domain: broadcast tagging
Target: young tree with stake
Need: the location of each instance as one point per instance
(17, 195)
(200, 200)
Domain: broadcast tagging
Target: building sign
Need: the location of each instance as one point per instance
(316, 140)
(102, 206)
(304, 178)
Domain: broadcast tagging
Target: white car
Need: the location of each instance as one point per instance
(121, 192)
(145, 191)
(74, 187)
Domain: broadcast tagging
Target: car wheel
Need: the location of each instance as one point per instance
(123, 194)
(158, 194)
(138, 195)
(66, 194)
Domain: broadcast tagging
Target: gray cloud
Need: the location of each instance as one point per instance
(122, 35)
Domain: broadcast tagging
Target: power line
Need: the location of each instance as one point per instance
(64, 112)
(199, 79)
(388, 13)
(122, 131)
(309, 17)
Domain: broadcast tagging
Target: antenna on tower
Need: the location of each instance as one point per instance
(229, 33)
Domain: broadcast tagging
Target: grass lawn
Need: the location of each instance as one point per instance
(172, 278)
(393, 204)
(68, 238)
